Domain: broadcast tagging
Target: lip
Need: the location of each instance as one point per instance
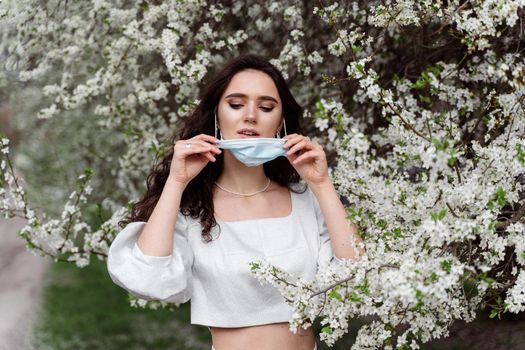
(240, 133)
(242, 136)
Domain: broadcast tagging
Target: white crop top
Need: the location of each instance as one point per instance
(216, 276)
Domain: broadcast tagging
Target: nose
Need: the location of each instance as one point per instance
(250, 115)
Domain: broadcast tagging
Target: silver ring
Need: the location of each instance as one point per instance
(188, 145)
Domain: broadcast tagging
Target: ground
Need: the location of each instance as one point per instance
(22, 276)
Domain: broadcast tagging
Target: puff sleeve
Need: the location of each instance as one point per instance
(165, 278)
(326, 254)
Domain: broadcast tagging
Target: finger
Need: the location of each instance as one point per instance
(196, 147)
(203, 156)
(295, 139)
(289, 136)
(297, 147)
(305, 156)
(210, 157)
(207, 155)
(195, 143)
(206, 137)
(291, 141)
(206, 140)
(206, 145)
(202, 148)
(316, 144)
(210, 140)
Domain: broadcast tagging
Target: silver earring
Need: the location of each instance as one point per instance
(278, 134)
(216, 128)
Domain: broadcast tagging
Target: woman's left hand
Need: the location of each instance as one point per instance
(307, 157)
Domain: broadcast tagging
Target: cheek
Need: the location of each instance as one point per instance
(228, 115)
(277, 118)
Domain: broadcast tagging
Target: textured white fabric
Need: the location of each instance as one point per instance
(216, 276)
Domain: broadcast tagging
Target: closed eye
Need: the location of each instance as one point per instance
(237, 106)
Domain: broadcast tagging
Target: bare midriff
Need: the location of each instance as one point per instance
(262, 337)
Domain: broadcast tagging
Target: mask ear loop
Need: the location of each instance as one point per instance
(216, 126)
(215, 119)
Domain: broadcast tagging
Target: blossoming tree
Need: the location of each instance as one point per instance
(420, 105)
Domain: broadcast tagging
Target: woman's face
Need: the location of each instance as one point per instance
(251, 101)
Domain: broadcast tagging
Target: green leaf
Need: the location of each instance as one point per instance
(500, 196)
(397, 232)
(419, 84)
(467, 41)
(440, 145)
(402, 347)
(451, 161)
(446, 265)
(320, 111)
(363, 287)
(398, 78)
(335, 295)
(326, 329)
(419, 298)
(254, 266)
(421, 189)
(425, 99)
(439, 215)
(521, 153)
(494, 313)
(353, 213)
(402, 197)
(424, 80)
(434, 277)
(484, 277)
(355, 297)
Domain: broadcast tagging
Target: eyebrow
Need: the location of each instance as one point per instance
(268, 98)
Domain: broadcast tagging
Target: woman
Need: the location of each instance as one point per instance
(212, 206)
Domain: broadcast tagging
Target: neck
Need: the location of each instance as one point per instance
(240, 178)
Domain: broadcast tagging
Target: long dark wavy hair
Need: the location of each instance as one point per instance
(197, 198)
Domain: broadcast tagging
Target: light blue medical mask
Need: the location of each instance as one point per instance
(253, 151)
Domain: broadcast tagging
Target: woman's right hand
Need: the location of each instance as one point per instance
(188, 162)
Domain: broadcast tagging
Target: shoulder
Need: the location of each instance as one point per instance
(303, 193)
(299, 187)
(186, 221)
